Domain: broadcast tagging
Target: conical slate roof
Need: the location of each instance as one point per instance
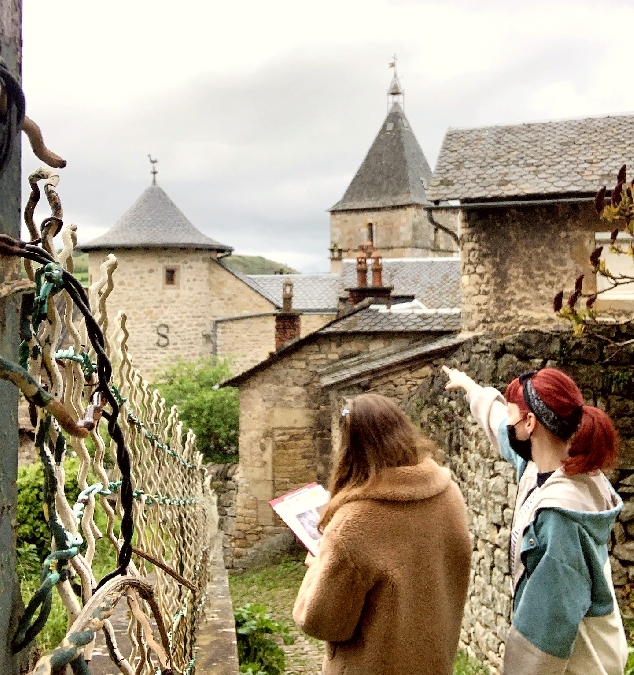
(394, 172)
(154, 221)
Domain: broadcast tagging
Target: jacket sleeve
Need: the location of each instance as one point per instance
(553, 598)
(490, 411)
(332, 594)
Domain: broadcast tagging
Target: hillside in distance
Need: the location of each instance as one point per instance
(256, 264)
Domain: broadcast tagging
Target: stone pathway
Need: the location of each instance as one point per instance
(305, 656)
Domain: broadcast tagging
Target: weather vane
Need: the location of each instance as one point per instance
(153, 162)
(395, 93)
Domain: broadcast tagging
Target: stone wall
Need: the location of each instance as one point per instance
(223, 483)
(313, 322)
(245, 340)
(174, 320)
(515, 260)
(399, 232)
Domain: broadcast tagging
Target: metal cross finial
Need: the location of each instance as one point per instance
(153, 162)
(393, 63)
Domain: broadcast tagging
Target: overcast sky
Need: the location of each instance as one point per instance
(261, 112)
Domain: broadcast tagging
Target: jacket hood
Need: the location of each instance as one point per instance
(402, 484)
(587, 499)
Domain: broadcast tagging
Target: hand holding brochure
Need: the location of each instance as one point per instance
(301, 510)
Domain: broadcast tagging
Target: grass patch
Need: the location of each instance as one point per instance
(276, 587)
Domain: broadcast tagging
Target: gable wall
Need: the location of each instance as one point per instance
(285, 435)
(515, 260)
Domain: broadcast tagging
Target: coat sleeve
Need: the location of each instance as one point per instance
(552, 601)
(332, 594)
(490, 411)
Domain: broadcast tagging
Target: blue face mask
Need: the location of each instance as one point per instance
(521, 448)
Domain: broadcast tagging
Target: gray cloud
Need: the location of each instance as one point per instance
(255, 160)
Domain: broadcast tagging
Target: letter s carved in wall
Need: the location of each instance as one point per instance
(162, 331)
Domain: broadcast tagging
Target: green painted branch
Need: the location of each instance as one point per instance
(35, 394)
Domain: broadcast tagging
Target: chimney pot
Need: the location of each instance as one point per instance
(287, 296)
(377, 269)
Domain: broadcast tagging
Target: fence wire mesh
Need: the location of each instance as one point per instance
(137, 466)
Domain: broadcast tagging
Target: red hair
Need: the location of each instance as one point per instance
(594, 444)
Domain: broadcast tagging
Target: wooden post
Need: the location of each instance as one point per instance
(10, 603)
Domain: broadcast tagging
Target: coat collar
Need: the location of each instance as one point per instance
(403, 484)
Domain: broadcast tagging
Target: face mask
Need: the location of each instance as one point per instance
(522, 448)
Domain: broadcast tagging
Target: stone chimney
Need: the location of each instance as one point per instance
(287, 322)
(377, 291)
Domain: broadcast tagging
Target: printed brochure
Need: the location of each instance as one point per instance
(301, 510)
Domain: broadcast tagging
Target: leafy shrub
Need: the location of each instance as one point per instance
(213, 414)
(32, 528)
(258, 654)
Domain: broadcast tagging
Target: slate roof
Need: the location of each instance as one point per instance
(253, 285)
(379, 319)
(392, 172)
(310, 291)
(154, 221)
(433, 281)
(542, 158)
(444, 322)
(378, 361)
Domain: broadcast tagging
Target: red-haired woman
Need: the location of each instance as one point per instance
(388, 588)
(565, 616)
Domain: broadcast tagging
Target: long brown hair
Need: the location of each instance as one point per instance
(376, 434)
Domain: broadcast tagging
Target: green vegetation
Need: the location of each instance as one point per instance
(34, 544)
(256, 264)
(212, 413)
(276, 587)
(80, 270)
(257, 652)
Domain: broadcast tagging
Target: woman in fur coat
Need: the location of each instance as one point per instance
(388, 588)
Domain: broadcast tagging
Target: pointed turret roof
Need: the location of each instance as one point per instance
(154, 221)
(394, 172)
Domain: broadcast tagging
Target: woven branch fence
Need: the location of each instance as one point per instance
(140, 469)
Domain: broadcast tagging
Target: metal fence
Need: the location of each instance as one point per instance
(138, 472)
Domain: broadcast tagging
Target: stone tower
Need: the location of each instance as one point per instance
(385, 202)
(168, 280)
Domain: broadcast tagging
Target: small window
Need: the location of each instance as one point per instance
(170, 276)
(390, 126)
(371, 233)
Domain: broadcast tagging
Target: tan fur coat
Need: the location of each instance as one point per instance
(388, 588)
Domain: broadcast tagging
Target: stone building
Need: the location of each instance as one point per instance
(385, 204)
(524, 196)
(527, 221)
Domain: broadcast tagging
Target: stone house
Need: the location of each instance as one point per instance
(527, 220)
(183, 300)
(180, 299)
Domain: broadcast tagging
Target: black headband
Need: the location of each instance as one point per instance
(559, 426)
